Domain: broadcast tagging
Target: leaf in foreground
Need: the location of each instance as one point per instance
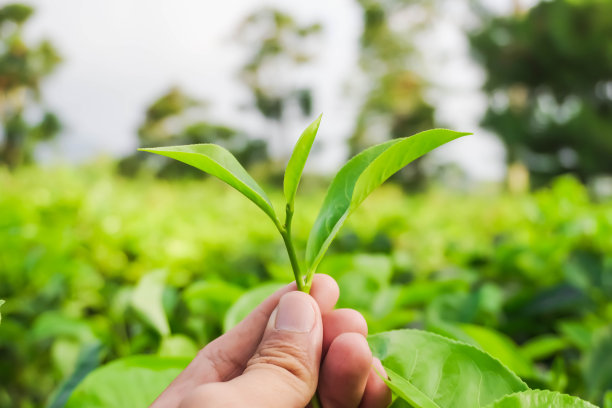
(540, 399)
(298, 158)
(359, 177)
(88, 360)
(127, 383)
(447, 373)
(219, 162)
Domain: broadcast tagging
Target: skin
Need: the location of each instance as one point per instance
(258, 364)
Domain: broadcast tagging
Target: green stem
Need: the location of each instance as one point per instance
(285, 232)
(314, 402)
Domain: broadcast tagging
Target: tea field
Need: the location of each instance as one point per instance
(147, 266)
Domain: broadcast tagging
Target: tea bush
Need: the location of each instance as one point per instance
(527, 278)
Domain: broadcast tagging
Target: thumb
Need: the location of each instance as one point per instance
(284, 370)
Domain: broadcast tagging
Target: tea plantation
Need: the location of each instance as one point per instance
(146, 266)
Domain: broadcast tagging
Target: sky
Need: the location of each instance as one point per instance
(121, 55)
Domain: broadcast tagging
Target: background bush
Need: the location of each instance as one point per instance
(527, 277)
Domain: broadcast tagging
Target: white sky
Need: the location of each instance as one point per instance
(120, 55)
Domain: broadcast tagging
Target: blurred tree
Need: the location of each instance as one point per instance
(550, 86)
(175, 119)
(22, 67)
(276, 71)
(394, 105)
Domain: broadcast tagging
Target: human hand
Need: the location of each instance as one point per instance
(278, 355)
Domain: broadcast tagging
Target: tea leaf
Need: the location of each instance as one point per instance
(88, 360)
(359, 177)
(501, 347)
(540, 399)
(431, 363)
(218, 162)
(147, 301)
(129, 382)
(298, 158)
(247, 302)
(407, 391)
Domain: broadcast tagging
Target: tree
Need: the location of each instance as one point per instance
(175, 118)
(22, 68)
(281, 50)
(394, 104)
(550, 86)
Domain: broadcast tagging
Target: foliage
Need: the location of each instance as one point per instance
(549, 86)
(281, 50)
(353, 183)
(176, 118)
(22, 68)
(394, 104)
(534, 267)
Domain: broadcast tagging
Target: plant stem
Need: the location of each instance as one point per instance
(285, 232)
(314, 402)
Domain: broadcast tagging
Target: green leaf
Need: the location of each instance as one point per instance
(543, 347)
(126, 383)
(298, 158)
(540, 399)
(247, 302)
(177, 345)
(88, 360)
(608, 400)
(359, 177)
(147, 301)
(1, 303)
(406, 391)
(448, 373)
(501, 347)
(219, 162)
(597, 366)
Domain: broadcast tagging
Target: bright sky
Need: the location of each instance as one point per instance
(121, 55)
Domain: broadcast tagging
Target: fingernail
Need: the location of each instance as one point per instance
(295, 313)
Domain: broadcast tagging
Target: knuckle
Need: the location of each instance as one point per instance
(289, 357)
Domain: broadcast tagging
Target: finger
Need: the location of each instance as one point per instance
(227, 356)
(376, 394)
(229, 353)
(284, 370)
(341, 321)
(345, 371)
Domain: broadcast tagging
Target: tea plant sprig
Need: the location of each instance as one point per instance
(351, 185)
(425, 370)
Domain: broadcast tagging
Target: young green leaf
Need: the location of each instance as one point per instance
(147, 301)
(296, 163)
(448, 373)
(218, 162)
(87, 361)
(129, 382)
(540, 399)
(359, 177)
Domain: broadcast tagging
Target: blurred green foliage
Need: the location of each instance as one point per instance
(550, 86)
(394, 104)
(148, 266)
(175, 118)
(22, 68)
(280, 51)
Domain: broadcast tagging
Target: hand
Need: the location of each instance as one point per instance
(272, 359)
